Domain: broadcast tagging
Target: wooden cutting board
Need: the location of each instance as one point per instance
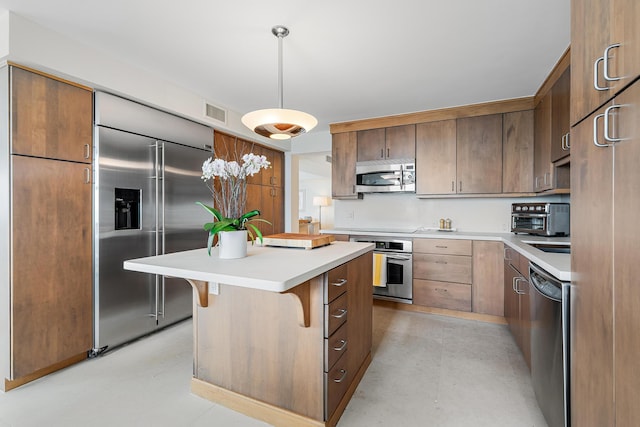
(295, 240)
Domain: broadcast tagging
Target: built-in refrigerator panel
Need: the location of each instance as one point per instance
(183, 221)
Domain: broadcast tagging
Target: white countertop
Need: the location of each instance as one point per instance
(265, 268)
(558, 265)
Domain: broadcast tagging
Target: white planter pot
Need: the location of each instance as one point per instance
(232, 244)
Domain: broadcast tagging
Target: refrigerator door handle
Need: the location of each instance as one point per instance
(156, 167)
(163, 240)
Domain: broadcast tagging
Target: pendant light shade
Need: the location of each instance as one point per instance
(279, 123)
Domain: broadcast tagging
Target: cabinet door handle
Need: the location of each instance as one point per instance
(343, 344)
(339, 314)
(460, 188)
(453, 186)
(382, 153)
(505, 250)
(596, 85)
(388, 152)
(607, 114)
(339, 283)
(344, 375)
(87, 176)
(87, 151)
(595, 131)
(605, 67)
(564, 142)
(568, 141)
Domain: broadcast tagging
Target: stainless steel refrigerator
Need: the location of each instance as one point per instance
(146, 183)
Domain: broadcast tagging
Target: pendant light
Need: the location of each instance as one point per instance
(279, 123)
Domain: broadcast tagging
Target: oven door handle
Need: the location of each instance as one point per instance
(399, 257)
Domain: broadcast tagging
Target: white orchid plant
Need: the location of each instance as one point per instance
(231, 196)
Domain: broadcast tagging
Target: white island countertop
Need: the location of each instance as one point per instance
(265, 268)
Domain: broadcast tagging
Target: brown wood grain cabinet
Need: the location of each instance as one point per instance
(597, 25)
(517, 309)
(250, 342)
(344, 149)
(517, 152)
(542, 167)
(50, 274)
(398, 142)
(560, 122)
(479, 154)
(488, 279)
(436, 157)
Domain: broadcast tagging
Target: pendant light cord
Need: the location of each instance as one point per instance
(280, 85)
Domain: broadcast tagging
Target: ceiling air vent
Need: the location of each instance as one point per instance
(216, 113)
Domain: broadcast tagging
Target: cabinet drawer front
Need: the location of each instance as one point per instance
(334, 347)
(335, 314)
(452, 296)
(446, 268)
(336, 382)
(336, 283)
(442, 246)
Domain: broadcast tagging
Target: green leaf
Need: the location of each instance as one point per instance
(250, 214)
(256, 230)
(212, 211)
(210, 243)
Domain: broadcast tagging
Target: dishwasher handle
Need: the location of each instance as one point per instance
(547, 285)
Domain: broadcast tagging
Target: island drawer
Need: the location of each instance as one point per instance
(336, 383)
(446, 268)
(336, 283)
(452, 296)
(334, 347)
(335, 314)
(443, 246)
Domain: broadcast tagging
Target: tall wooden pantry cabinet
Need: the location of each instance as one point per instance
(45, 224)
(605, 239)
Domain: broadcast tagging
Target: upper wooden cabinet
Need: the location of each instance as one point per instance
(343, 171)
(398, 142)
(560, 122)
(479, 154)
(50, 118)
(605, 51)
(436, 157)
(542, 168)
(517, 152)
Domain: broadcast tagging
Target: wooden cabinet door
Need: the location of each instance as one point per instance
(400, 142)
(371, 144)
(626, 249)
(542, 179)
(592, 385)
(50, 118)
(254, 201)
(488, 278)
(436, 157)
(560, 103)
(343, 165)
(589, 38)
(511, 302)
(479, 154)
(625, 60)
(517, 152)
(51, 288)
(360, 311)
(524, 288)
(273, 175)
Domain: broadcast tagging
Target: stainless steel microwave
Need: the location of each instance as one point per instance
(386, 176)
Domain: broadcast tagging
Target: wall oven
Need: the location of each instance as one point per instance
(392, 268)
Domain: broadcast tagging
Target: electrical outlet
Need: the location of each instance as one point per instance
(214, 288)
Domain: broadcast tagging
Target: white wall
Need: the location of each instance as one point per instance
(4, 34)
(402, 211)
(317, 187)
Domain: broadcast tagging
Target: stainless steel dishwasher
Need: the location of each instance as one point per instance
(550, 345)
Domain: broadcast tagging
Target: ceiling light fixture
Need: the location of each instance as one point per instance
(279, 123)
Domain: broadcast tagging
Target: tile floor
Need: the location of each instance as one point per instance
(427, 370)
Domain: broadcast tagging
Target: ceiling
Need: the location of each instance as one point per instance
(343, 61)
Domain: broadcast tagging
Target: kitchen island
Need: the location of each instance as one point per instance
(283, 335)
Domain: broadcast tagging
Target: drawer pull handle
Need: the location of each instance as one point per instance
(442, 247)
(340, 313)
(342, 346)
(344, 375)
(441, 262)
(339, 283)
(441, 290)
(87, 151)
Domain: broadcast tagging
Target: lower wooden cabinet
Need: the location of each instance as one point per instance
(51, 286)
(516, 300)
(461, 275)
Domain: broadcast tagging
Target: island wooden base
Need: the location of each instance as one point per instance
(269, 413)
